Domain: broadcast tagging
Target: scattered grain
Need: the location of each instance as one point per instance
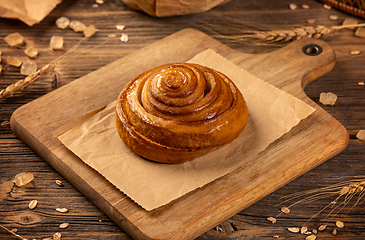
(62, 210)
(1, 68)
(311, 21)
(99, 1)
(57, 236)
(62, 22)
(77, 26)
(305, 6)
(23, 178)
(285, 210)
(292, 6)
(14, 39)
(120, 27)
(59, 183)
(271, 219)
(124, 38)
(340, 224)
(355, 52)
(328, 98)
(294, 229)
(334, 232)
(31, 52)
(13, 61)
(5, 123)
(326, 6)
(276, 236)
(333, 17)
(63, 225)
(311, 237)
(350, 21)
(322, 227)
(314, 231)
(360, 32)
(33, 204)
(56, 42)
(95, 5)
(361, 83)
(14, 230)
(28, 67)
(112, 36)
(303, 230)
(89, 31)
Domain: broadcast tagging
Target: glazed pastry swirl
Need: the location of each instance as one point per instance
(176, 112)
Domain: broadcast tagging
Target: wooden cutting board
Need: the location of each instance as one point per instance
(313, 141)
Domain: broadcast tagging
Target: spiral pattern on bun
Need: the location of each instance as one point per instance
(176, 112)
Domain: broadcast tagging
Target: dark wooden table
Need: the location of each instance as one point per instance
(87, 221)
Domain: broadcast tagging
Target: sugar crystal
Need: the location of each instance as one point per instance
(31, 52)
(360, 32)
(89, 31)
(62, 22)
(77, 26)
(13, 61)
(28, 68)
(328, 98)
(124, 37)
(23, 178)
(14, 39)
(361, 134)
(56, 42)
(120, 27)
(350, 21)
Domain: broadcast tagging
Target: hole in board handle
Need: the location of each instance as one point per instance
(312, 50)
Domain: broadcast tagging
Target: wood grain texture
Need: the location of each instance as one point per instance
(193, 214)
(86, 221)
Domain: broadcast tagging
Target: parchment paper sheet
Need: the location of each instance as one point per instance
(28, 11)
(272, 112)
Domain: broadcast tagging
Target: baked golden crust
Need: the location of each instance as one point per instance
(176, 112)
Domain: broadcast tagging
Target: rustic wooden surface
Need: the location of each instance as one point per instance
(86, 221)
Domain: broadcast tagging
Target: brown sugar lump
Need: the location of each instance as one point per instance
(176, 112)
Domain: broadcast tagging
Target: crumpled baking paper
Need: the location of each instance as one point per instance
(95, 140)
(28, 11)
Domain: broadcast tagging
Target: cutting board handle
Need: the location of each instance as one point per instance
(292, 67)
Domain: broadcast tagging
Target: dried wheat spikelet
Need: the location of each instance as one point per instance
(21, 84)
(343, 193)
(278, 36)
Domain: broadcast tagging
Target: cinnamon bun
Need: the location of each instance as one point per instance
(176, 112)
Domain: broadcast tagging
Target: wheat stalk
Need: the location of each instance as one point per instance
(281, 36)
(13, 233)
(347, 190)
(21, 84)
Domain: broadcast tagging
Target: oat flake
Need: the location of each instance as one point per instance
(62, 210)
(340, 224)
(293, 229)
(271, 219)
(64, 225)
(355, 52)
(292, 6)
(311, 237)
(285, 210)
(33, 204)
(57, 236)
(322, 227)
